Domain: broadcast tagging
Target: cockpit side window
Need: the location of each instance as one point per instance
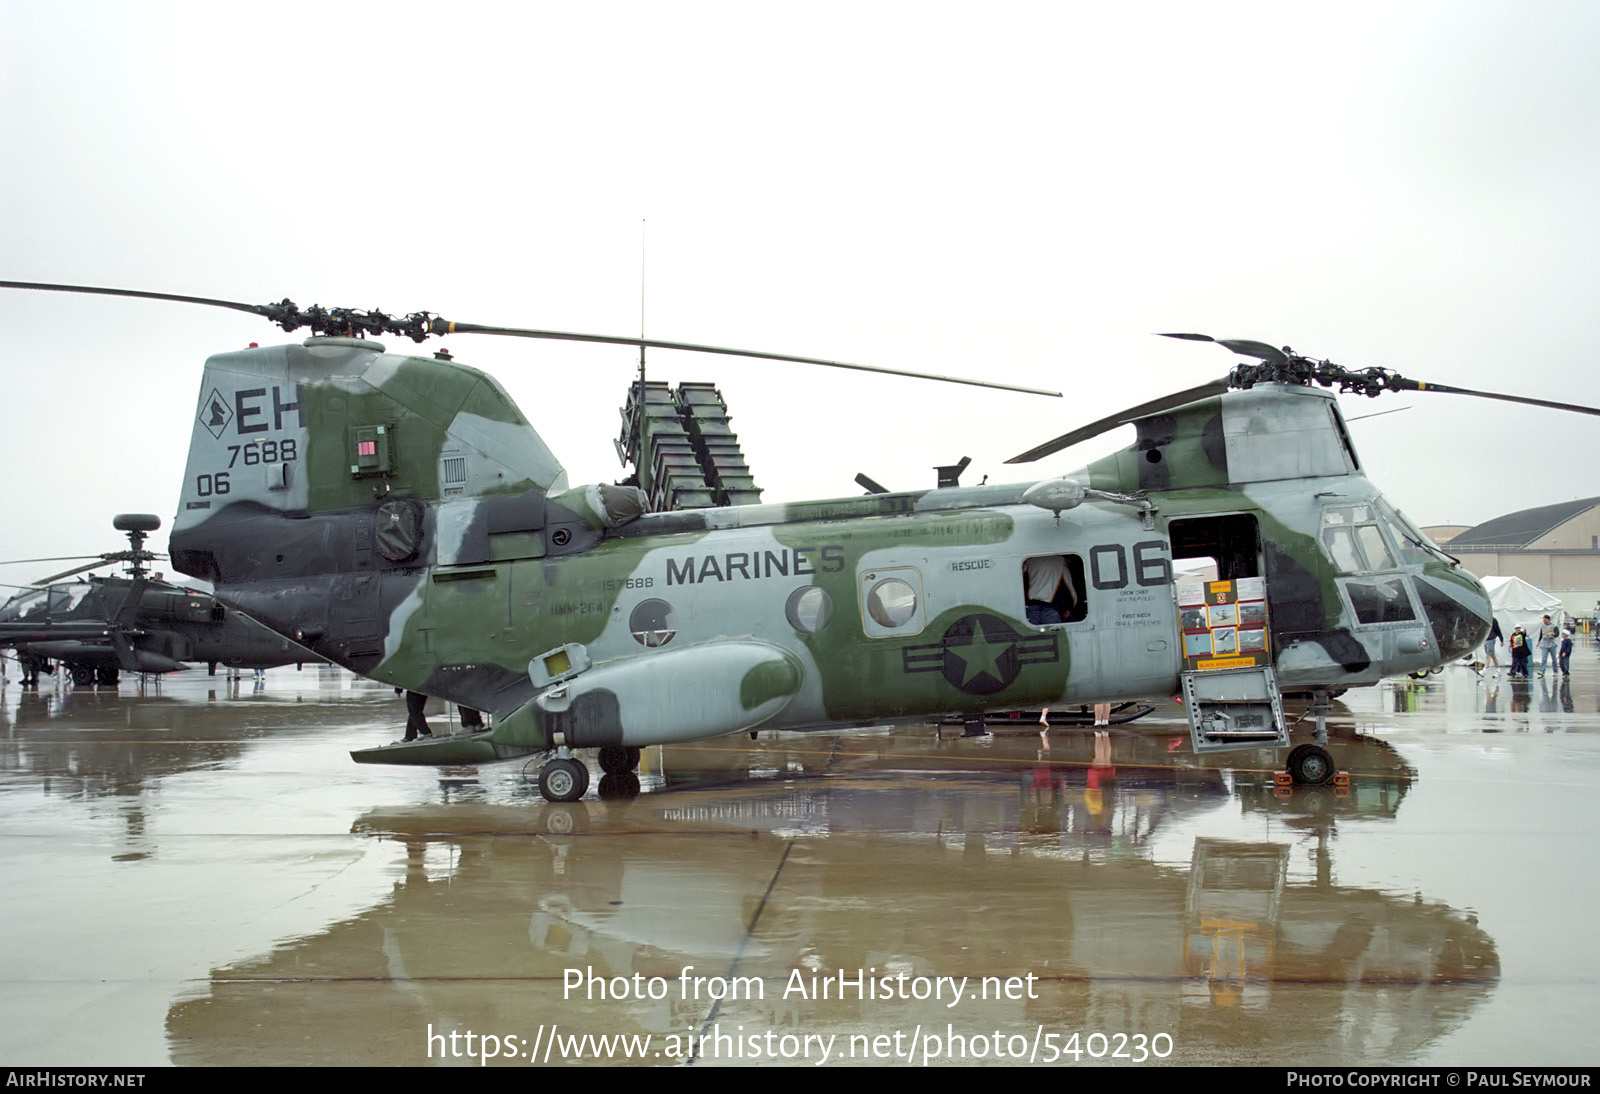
(1358, 543)
(1414, 545)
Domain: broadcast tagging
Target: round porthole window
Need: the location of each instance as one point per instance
(891, 602)
(809, 609)
(653, 623)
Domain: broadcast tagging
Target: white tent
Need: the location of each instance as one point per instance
(1516, 603)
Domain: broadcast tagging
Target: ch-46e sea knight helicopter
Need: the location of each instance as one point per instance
(399, 516)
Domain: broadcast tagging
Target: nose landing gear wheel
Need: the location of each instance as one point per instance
(1310, 765)
(563, 780)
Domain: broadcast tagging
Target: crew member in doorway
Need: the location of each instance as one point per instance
(1050, 595)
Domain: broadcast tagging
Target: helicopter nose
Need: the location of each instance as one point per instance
(1459, 610)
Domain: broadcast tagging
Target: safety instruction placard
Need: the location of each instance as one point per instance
(1224, 623)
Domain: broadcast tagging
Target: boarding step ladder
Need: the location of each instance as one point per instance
(1234, 708)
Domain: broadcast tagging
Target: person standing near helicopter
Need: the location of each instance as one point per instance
(1489, 644)
(1549, 635)
(1521, 652)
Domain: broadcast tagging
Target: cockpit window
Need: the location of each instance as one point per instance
(1374, 547)
(63, 598)
(1414, 545)
(1355, 540)
(29, 604)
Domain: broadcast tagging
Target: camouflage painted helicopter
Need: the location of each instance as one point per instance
(400, 516)
(98, 627)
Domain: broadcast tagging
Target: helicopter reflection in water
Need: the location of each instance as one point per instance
(496, 903)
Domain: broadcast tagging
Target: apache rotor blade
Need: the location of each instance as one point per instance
(128, 611)
(122, 646)
(1122, 417)
(85, 568)
(445, 326)
(419, 325)
(52, 558)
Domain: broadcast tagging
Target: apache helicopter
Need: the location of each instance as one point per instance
(98, 627)
(400, 516)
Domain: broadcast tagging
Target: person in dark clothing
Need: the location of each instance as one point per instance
(1521, 652)
(416, 723)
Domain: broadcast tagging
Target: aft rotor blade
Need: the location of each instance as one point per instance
(253, 309)
(445, 326)
(419, 325)
(1122, 417)
(1402, 384)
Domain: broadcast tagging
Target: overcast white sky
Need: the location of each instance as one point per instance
(1020, 191)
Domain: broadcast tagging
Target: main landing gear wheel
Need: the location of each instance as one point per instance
(1310, 765)
(82, 675)
(563, 780)
(618, 759)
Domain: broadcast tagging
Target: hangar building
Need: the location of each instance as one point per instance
(1556, 547)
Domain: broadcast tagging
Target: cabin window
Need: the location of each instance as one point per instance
(653, 623)
(891, 602)
(1052, 590)
(809, 609)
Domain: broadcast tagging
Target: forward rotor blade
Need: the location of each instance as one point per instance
(1244, 347)
(1104, 425)
(1402, 384)
(445, 326)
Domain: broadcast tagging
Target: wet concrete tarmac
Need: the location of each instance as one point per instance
(196, 873)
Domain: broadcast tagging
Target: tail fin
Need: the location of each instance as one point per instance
(335, 428)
